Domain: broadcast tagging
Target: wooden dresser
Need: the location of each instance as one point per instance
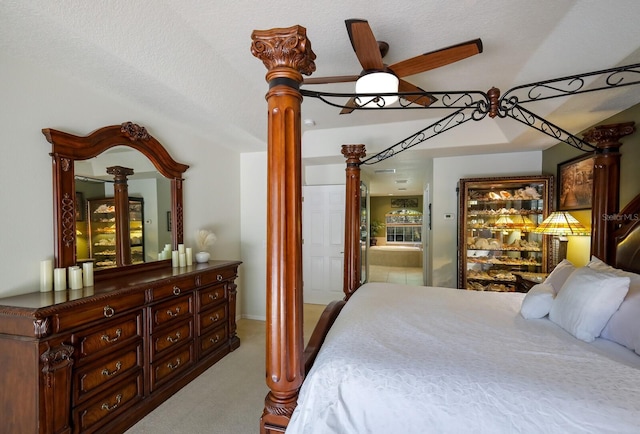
(97, 360)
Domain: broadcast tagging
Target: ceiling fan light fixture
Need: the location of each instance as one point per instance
(378, 83)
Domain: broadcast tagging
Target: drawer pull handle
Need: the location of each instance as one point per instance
(108, 373)
(215, 339)
(174, 366)
(176, 339)
(214, 318)
(213, 296)
(105, 406)
(105, 337)
(176, 290)
(174, 314)
(108, 311)
(219, 277)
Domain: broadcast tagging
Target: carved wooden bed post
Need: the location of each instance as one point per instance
(287, 54)
(352, 253)
(606, 184)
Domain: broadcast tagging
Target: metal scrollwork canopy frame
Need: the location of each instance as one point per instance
(476, 105)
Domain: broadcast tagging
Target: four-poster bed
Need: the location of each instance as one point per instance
(287, 55)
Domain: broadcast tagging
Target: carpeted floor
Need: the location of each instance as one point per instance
(228, 398)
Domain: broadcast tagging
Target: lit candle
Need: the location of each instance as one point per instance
(180, 248)
(60, 279)
(46, 275)
(75, 277)
(175, 259)
(87, 274)
(182, 258)
(189, 253)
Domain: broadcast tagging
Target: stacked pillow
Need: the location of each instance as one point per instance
(583, 300)
(537, 303)
(624, 325)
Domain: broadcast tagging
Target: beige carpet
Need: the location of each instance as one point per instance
(227, 398)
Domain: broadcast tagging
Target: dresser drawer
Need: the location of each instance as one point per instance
(218, 276)
(108, 370)
(97, 310)
(210, 296)
(107, 336)
(171, 366)
(171, 311)
(212, 318)
(213, 339)
(163, 341)
(173, 289)
(90, 416)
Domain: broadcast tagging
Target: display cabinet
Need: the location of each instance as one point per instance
(102, 231)
(495, 238)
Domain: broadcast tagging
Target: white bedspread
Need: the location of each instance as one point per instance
(405, 359)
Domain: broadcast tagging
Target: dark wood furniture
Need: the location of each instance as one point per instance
(67, 148)
(97, 360)
(495, 230)
(287, 54)
(526, 281)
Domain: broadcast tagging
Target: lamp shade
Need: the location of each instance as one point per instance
(561, 223)
(377, 83)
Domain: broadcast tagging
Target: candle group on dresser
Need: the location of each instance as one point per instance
(59, 279)
(182, 257)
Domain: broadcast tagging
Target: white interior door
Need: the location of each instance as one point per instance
(323, 243)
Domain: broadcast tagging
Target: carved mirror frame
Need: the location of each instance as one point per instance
(67, 148)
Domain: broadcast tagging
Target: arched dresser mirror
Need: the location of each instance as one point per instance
(68, 149)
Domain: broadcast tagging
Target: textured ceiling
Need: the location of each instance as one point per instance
(191, 60)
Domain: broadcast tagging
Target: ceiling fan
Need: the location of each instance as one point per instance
(370, 53)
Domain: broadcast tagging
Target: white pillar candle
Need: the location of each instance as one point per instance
(189, 253)
(60, 279)
(182, 259)
(175, 259)
(167, 248)
(180, 248)
(46, 275)
(87, 274)
(75, 277)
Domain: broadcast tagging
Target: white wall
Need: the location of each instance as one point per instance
(253, 198)
(33, 99)
(446, 173)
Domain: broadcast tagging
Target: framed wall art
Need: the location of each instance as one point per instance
(575, 183)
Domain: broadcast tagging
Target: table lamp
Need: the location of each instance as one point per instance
(561, 224)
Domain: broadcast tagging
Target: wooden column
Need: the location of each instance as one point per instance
(352, 252)
(287, 54)
(121, 202)
(606, 183)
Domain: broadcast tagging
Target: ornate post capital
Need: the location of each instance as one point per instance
(283, 50)
(353, 153)
(607, 137)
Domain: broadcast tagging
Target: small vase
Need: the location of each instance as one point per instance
(202, 257)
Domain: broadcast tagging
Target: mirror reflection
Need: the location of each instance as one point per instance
(147, 218)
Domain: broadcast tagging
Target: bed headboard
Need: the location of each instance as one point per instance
(627, 237)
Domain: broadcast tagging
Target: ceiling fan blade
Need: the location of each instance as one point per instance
(327, 80)
(364, 44)
(423, 100)
(349, 106)
(436, 59)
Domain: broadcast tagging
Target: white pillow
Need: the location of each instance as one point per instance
(624, 325)
(586, 301)
(560, 274)
(538, 301)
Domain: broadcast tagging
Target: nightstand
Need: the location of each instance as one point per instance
(525, 281)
